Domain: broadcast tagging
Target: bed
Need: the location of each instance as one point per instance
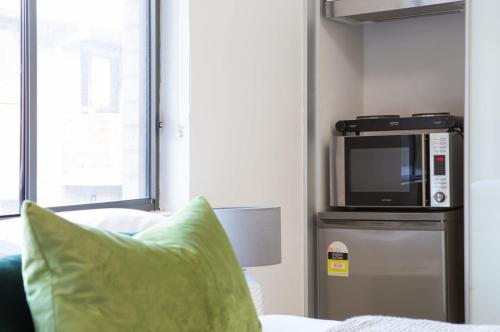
(130, 221)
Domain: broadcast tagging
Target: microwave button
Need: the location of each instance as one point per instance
(439, 197)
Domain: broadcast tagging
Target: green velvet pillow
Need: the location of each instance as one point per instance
(180, 275)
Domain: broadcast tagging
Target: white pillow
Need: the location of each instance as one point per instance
(114, 220)
(9, 249)
(10, 237)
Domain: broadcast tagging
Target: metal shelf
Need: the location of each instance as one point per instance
(364, 11)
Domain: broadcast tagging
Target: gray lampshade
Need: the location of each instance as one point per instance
(254, 232)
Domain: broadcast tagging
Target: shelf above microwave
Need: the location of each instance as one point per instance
(366, 11)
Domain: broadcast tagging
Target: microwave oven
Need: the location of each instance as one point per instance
(397, 170)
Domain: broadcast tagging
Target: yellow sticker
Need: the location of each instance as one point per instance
(338, 259)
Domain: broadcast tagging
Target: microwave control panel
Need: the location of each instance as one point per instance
(439, 154)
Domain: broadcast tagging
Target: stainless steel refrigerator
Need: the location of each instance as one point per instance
(406, 264)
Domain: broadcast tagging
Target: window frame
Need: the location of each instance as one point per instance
(28, 162)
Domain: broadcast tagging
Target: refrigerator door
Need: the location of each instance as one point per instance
(392, 270)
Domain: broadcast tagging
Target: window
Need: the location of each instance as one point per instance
(78, 103)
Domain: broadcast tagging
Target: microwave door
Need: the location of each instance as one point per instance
(384, 171)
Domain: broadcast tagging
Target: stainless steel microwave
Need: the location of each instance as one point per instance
(391, 169)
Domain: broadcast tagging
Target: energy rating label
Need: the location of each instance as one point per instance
(338, 259)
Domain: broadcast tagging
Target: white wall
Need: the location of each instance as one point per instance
(483, 163)
(247, 100)
(174, 104)
(415, 65)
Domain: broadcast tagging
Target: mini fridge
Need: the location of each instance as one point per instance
(405, 264)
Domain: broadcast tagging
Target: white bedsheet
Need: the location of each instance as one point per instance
(396, 324)
(284, 323)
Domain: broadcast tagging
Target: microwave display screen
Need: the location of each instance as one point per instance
(440, 165)
(380, 169)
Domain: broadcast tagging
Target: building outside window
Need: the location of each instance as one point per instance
(90, 136)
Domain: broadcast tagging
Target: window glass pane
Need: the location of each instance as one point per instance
(92, 101)
(10, 72)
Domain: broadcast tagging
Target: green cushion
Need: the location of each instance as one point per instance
(14, 311)
(180, 275)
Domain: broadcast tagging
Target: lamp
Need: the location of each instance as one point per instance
(255, 234)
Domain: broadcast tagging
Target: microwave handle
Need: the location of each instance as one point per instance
(424, 170)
